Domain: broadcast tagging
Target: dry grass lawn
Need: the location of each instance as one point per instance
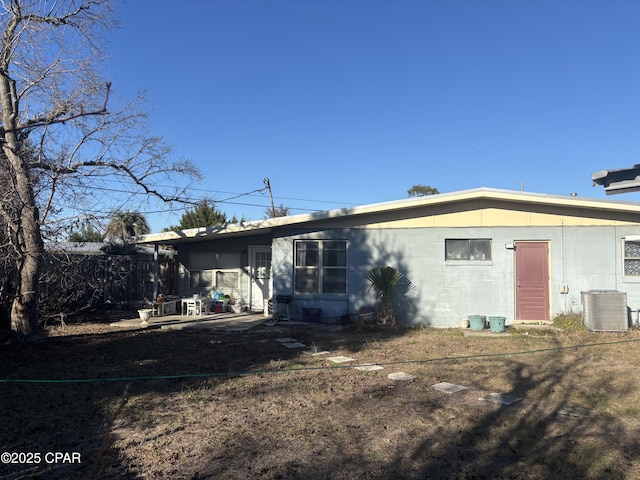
(254, 409)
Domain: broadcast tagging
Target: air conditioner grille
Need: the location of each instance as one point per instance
(605, 310)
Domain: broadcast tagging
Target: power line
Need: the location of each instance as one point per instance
(194, 201)
(225, 201)
(251, 193)
(108, 213)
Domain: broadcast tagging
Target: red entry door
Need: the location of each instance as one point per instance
(532, 281)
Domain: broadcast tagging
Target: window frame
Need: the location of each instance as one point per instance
(469, 257)
(205, 265)
(318, 275)
(629, 258)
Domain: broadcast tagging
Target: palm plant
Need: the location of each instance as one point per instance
(390, 285)
(124, 225)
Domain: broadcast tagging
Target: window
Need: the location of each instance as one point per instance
(202, 260)
(201, 279)
(227, 280)
(262, 265)
(320, 266)
(476, 249)
(203, 266)
(632, 258)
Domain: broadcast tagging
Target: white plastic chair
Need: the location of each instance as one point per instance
(193, 308)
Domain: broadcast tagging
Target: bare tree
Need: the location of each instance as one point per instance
(63, 152)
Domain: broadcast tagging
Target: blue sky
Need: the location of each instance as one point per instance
(351, 102)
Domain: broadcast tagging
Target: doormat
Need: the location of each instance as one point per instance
(401, 376)
(447, 387)
(500, 398)
(341, 359)
(369, 367)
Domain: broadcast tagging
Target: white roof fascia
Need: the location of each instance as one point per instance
(258, 226)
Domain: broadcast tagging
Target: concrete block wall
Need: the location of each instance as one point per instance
(582, 258)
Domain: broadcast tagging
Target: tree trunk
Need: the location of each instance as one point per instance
(23, 218)
(24, 319)
(386, 314)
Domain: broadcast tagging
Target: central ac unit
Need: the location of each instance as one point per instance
(605, 311)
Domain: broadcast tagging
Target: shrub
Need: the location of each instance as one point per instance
(569, 321)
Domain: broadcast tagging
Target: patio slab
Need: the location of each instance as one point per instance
(235, 322)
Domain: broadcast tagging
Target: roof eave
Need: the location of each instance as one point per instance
(267, 226)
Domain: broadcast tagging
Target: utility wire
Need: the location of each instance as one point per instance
(252, 193)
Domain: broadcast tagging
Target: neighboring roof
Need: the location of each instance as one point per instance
(267, 226)
(620, 180)
(95, 248)
(79, 248)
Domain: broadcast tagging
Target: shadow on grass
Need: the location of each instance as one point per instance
(409, 431)
(73, 417)
(333, 423)
(529, 439)
(57, 416)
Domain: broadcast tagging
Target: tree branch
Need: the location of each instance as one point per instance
(58, 118)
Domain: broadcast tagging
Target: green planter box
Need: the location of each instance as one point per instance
(496, 324)
(477, 322)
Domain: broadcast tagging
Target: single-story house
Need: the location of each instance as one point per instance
(520, 255)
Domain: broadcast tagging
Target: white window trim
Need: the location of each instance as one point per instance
(321, 267)
(634, 239)
(469, 261)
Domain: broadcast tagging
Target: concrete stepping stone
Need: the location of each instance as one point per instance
(501, 398)
(315, 352)
(341, 359)
(286, 340)
(574, 411)
(401, 376)
(293, 345)
(369, 367)
(449, 388)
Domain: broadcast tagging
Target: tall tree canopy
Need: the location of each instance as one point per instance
(204, 214)
(67, 147)
(422, 191)
(87, 233)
